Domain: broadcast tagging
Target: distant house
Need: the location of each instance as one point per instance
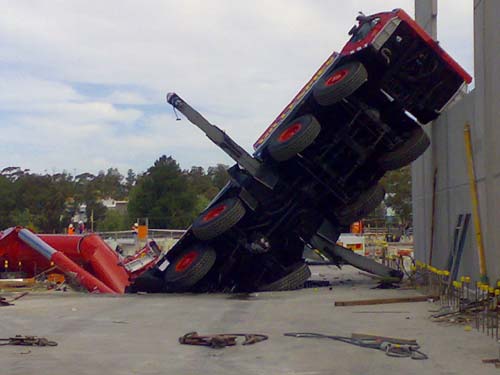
(113, 204)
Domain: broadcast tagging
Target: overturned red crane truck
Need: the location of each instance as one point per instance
(317, 167)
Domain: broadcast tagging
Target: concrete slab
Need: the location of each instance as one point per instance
(137, 334)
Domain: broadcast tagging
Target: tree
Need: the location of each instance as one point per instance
(25, 219)
(164, 195)
(202, 183)
(170, 197)
(42, 198)
(7, 202)
(219, 175)
(95, 211)
(13, 173)
(203, 187)
(130, 180)
(377, 218)
(113, 221)
(398, 188)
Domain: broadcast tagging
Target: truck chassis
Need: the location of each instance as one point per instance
(316, 169)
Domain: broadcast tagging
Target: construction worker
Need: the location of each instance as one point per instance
(135, 230)
(71, 229)
(81, 227)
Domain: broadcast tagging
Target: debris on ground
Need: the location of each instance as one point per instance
(494, 361)
(382, 301)
(243, 296)
(393, 347)
(386, 285)
(5, 302)
(381, 312)
(27, 341)
(221, 340)
(82, 262)
(317, 284)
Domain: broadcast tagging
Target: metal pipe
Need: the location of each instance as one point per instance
(66, 265)
(475, 204)
(433, 213)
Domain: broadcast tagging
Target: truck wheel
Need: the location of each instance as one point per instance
(294, 280)
(218, 219)
(407, 152)
(290, 139)
(366, 203)
(340, 83)
(189, 267)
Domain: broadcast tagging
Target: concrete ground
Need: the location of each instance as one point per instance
(137, 334)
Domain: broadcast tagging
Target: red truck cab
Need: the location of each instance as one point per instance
(392, 41)
(401, 60)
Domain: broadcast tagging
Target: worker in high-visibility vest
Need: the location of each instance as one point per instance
(71, 229)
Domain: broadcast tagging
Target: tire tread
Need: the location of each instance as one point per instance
(294, 280)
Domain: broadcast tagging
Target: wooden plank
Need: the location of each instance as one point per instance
(382, 301)
(17, 283)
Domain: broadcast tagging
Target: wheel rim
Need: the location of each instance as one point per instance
(336, 77)
(289, 132)
(214, 212)
(186, 261)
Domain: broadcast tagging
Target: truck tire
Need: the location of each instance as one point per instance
(366, 203)
(218, 219)
(293, 280)
(340, 83)
(290, 139)
(407, 152)
(189, 267)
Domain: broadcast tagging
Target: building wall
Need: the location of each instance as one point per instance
(452, 187)
(487, 61)
(422, 170)
(481, 108)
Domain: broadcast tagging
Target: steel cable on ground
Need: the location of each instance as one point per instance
(391, 349)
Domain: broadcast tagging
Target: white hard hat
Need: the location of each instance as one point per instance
(136, 224)
(71, 225)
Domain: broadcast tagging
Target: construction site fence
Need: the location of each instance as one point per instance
(173, 234)
(464, 301)
(375, 231)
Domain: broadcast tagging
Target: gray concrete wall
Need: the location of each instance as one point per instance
(452, 188)
(482, 109)
(422, 180)
(487, 73)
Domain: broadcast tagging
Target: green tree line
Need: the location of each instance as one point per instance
(169, 196)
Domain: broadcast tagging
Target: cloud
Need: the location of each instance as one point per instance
(19, 91)
(126, 97)
(239, 63)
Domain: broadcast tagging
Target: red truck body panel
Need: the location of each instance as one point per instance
(351, 48)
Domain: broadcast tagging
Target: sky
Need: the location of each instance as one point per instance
(83, 83)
